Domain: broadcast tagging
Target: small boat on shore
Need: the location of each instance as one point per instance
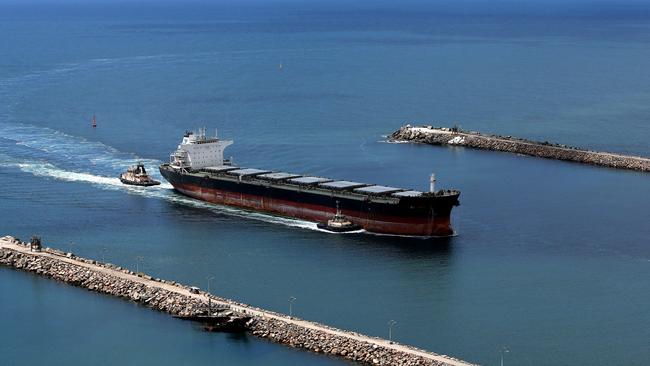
(136, 175)
(338, 223)
(221, 320)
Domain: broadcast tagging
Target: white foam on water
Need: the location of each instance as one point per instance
(395, 142)
(50, 171)
(92, 160)
(164, 191)
(73, 148)
(455, 233)
(56, 155)
(360, 231)
(107, 156)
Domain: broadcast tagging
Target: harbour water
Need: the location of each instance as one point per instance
(551, 259)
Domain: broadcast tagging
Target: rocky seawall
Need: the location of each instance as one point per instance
(456, 137)
(184, 301)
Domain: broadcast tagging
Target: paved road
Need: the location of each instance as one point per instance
(298, 322)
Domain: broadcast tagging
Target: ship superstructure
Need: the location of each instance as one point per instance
(196, 151)
(197, 169)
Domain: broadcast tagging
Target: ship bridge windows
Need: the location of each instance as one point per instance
(247, 172)
(309, 180)
(342, 184)
(378, 190)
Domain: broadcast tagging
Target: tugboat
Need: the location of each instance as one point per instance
(136, 175)
(338, 223)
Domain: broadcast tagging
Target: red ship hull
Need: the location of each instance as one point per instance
(370, 221)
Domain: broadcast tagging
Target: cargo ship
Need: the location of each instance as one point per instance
(198, 169)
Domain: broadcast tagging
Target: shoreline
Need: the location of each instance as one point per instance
(457, 137)
(181, 300)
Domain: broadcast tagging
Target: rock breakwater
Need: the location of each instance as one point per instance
(456, 137)
(186, 301)
(99, 281)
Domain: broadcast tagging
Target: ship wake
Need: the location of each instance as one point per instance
(164, 191)
(51, 154)
(47, 153)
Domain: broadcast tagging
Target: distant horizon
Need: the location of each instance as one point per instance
(528, 8)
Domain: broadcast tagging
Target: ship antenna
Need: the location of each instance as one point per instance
(338, 210)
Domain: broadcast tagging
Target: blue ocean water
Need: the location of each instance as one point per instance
(551, 259)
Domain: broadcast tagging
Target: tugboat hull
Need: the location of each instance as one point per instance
(346, 229)
(141, 184)
(137, 175)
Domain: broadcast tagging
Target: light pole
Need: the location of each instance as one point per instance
(390, 330)
(138, 259)
(503, 350)
(209, 278)
(291, 300)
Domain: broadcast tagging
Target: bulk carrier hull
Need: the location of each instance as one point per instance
(424, 214)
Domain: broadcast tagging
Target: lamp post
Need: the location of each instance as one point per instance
(291, 300)
(138, 259)
(209, 278)
(390, 330)
(504, 349)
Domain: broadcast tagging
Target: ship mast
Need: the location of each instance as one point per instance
(94, 121)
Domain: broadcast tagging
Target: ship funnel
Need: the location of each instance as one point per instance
(432, 183)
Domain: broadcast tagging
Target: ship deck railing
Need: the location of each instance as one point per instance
(316, 187)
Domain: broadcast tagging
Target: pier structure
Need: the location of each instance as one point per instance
(456, 137)
(187, 301)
